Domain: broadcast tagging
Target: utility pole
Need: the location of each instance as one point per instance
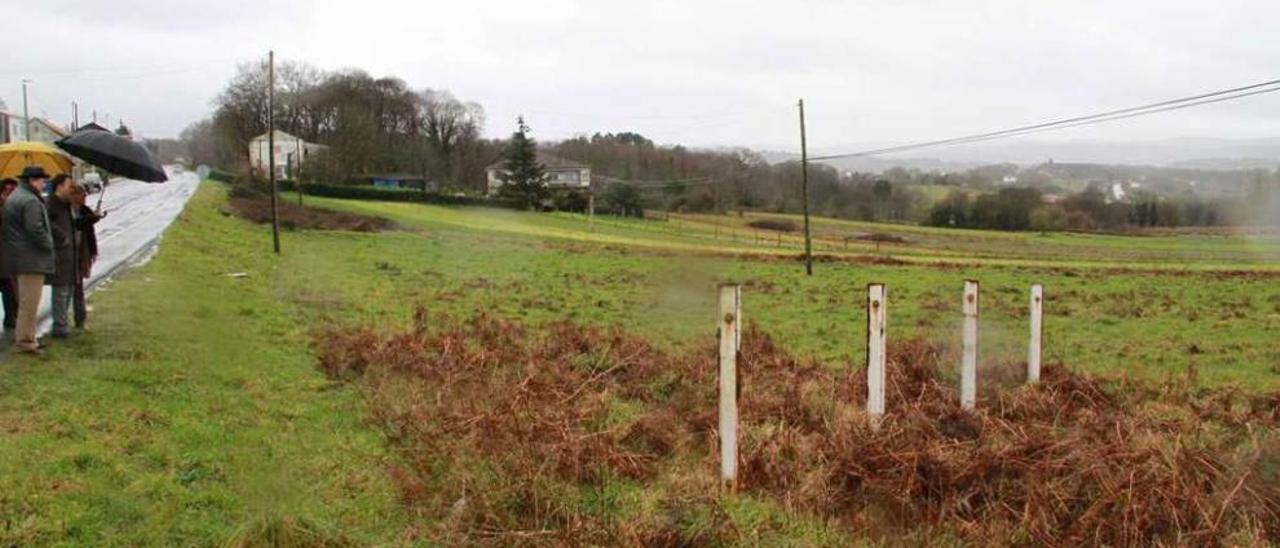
(26, 114)
(591, 209)
(804, 194)
(295, 166)
(75, 116)
(271, 149)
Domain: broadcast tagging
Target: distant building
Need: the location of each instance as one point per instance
(12, 129)
(291, 152)
(401, 181)
(561, 174)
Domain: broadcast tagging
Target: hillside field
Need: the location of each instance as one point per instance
(193, 412)
(1154, 305)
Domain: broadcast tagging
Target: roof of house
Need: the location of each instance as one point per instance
(549, 161)
(92, 125)
(280, 136)
(62, 132)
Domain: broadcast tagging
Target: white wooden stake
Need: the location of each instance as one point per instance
(1037, 329)
(877, 316)
(730, 341)
(969, 363)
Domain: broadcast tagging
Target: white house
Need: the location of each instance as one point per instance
(561, 174)
(291, 152)
(13, 129)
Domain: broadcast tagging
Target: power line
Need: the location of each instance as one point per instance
(638, 183)
(1108, 116)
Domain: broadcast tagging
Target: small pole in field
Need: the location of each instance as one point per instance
(730, 339)
(1037, 330)
(877, 316)
(969, 362)
(591, 211)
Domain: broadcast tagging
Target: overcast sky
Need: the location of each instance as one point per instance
(692, 72)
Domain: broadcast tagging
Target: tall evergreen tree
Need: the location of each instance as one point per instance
(523, 177)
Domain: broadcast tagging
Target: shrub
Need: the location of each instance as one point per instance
(570, 201)
(1049, 218)
(221, 175)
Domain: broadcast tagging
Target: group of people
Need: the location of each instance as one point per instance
(48, 239)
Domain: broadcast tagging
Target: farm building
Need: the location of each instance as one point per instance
(291, 152)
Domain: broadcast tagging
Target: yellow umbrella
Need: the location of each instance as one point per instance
(15, 156)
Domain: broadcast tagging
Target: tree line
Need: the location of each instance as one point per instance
(1026, 208)
(383, 125)
(370, 125)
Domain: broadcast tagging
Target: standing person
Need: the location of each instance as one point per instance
(8, 292)
(28, 251)
(86, 243)
(65, 272)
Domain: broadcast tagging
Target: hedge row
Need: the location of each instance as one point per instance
(402, 195)
(221, 175)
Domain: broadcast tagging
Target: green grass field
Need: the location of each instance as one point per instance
(192, 413)
(1203, 301)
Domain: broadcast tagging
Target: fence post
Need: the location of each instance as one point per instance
(730, 339)
(969, 362)
(1037, 329)
(877, 315)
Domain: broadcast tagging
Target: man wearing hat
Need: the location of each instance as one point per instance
(28, 251)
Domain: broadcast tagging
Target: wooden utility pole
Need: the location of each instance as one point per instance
(295, 167)
(271, 149)
(804, 194)
(591, 210)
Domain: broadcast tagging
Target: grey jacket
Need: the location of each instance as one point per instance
(28, 241)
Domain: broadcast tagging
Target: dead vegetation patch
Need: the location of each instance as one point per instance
(500, 427)
(776, 225)
(256, 207)
(881, 237)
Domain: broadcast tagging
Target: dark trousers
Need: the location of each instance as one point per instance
(78, 305)
(9, 294)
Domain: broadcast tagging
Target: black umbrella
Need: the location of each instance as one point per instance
(114, 153)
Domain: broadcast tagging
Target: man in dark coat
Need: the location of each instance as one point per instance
(28, 251)
(86, 242)
(65, 272)
(8, 292)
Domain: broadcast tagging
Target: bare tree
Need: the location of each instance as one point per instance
(447, 126)
(240, 111)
